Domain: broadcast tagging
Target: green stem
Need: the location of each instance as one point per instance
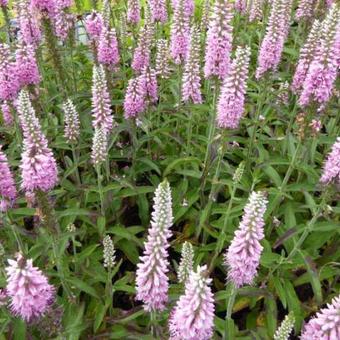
(222, 237)
(51, 43)
(48, 212)
(209, 144)
(7, 222)
(75, 161)
(189, 133)
(207, 210)
(100, 189)
(229, 331)
(60, 269)
(154, 324)
(309, 228)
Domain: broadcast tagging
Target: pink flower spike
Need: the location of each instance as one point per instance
(133, 13)
(256, 10)
(326, 324)
(8, 191)
(38, 166)
(6, 113)
(29, 25)
(244, 252)
(319, 82)
(28, 289)
(230, 105)
(307, 55)
(180, 33)
(26, 65)
(158, 10)
(108, 48)
(241, 6)
(134, 102)
(305, 9)
(9, 84)
(141, 55)
(219, 40)
(191, 89)
(193, 316)
(274, 39)
(101, 103)
(148, 82)
(331, 170)
(188, 6)
(151, 279)
(94, 24)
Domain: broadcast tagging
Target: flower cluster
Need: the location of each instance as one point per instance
(230, 106)
(29, 25)
(101, 104)
(108, 47)
(219, 40)
(133, 13)
(187, 261)
(193, 316)
(109, 252)
(94, 24)
(191, 81)
(26, 65)
(305, 9)
(276, 33)
(134, 102)
(180, 32)
(6, 113)
(148, 82)
(286, 327)
(241, 6)
(141, 56)
(38, 166)
(151, 279)
(71, 121)
(8, 190)
(331, 170)
(188, 6)
(28, 289)
(243, 255)
(256, 10)
(162, 66)
(99, 146)
(326, 324)
(158, 10)
(307, 54)
(322, 72)
(9, 84)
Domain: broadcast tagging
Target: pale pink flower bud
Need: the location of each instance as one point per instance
(133, 13)
(193, 316)
(101, 103)
(307, 54)
(71, 121)
(8, 191)
(28, 289)
(38, 166)
(326, 324)
(151, 279)
(331, 170)
(191, 88)
(244, 252)
(180, 33)
(230, 105)
(219, 40)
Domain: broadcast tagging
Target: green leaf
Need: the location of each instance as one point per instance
(83, 286)
(178, 162)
